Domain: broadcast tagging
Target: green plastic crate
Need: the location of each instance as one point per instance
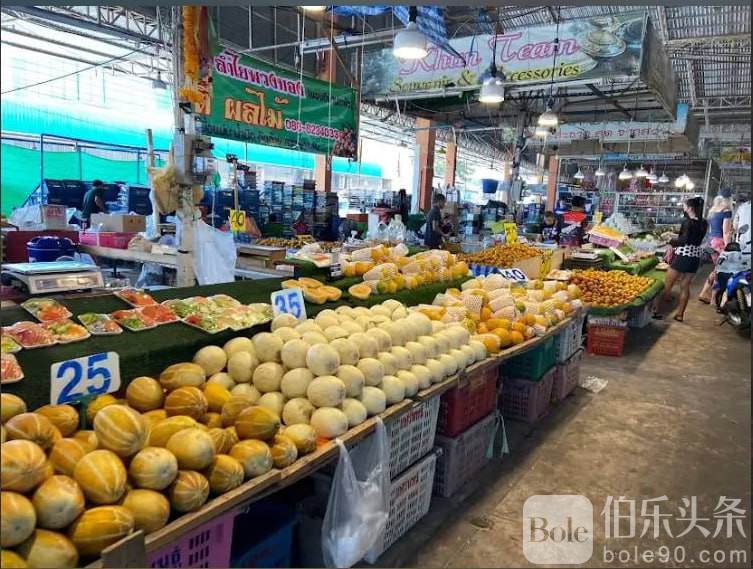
(531, 365)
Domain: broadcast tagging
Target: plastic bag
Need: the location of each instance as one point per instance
(358, 504)
(214, 254)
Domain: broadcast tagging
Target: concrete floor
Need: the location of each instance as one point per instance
(674, 420)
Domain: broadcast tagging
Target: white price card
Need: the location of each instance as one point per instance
(84, 377)
(289, 301)
(513, 274)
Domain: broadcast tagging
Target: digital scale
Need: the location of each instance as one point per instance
(52, 277)
(585, 255)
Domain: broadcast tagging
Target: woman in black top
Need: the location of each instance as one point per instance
(687, 256)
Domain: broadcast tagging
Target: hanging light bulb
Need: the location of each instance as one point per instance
(541, 131)
(314, 8)
(548, 118)
(600, 172)
(681, 181)
(689, 185)
(492, 89)
(410, 43)
(625, 174)
(663, 179)
(641, 172)
(652, 178)
(579, 175)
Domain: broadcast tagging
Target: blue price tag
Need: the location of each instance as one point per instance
(88, 376)
(513, 274)
(289, 301)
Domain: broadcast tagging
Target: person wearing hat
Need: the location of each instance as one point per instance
(720, 224)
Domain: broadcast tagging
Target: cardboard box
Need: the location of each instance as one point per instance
(40, 217)
(118, 223)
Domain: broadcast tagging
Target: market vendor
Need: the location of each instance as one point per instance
(434, 230)
(571, 225)
(403, 206)
(93, 202)
(549, 228)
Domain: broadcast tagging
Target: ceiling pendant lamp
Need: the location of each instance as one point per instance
(600, 172)
(492, 89)
(625, 174)
(541, 132)
(641, 172)
(410, 43)
(682, 181)
(689, 185)
(549, 118)
(652, 178)
(314, 8)
(579, 175)
(663, 179)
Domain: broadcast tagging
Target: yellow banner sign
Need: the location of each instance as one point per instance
(238, 220)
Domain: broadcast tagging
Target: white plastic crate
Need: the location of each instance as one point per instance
(640, 317)
(410, 498)
(569, 340)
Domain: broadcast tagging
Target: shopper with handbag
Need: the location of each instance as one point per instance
(686, 251)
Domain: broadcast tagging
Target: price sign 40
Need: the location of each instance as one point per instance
(75, 379)
(237, 220)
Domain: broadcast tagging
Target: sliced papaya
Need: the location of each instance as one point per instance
(360, 291)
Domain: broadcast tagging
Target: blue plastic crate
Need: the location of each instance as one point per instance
(531, 365)
(263, 535)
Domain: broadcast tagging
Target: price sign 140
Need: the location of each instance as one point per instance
(84, 377)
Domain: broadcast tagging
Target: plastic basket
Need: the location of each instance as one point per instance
(206, 546)
(263, 545)
(410, 498)
(473, 398)
(527, 400)
(569, 341)
(462, 456)
(606, 340)
(566, 377)
(639, 317)
(533, 364)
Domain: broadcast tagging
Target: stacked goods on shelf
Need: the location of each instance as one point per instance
(202, 428)
(501, 256)
(606, 236)
(390, 269)
(619, 222)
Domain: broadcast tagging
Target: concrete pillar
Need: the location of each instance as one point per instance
(551, 186)
(451, 160)
(425, 139)
(323, 172)
(327, 70)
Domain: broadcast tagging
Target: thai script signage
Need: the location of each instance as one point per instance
(253, 101)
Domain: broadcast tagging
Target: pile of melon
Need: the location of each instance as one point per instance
(203, 427)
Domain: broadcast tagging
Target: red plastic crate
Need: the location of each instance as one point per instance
(527, 400)
(106, 239)
(566, 377)
(207, 546)
(473, 398)
(606, 340)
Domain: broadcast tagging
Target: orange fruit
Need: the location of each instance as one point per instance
(492, 343)
(505, 337)
(519, 327)
(486, 313)
(482, 328)
(529, 319)
(505, 323)
(516, 337)
(493, 323)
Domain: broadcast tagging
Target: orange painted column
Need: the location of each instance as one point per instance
(551, 186)
(425, 140)
(451, 160)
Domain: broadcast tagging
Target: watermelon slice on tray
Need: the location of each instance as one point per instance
(31, 335)
(10, 371)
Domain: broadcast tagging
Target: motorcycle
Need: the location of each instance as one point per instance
(735, 303)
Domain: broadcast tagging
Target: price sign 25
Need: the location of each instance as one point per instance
(289, 301)
(75, 379)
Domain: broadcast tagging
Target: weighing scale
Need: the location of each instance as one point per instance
(585, 255)
(53, 277)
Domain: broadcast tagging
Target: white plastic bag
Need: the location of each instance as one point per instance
(358, 504)
(214, 254)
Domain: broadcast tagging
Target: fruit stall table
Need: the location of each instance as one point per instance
(150, 351)
(637, 268)
(133, 550)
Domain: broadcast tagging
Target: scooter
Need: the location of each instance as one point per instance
(736, 302)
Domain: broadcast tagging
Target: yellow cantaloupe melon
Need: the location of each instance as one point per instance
(58, 501)
(315, 295)
(183, 374)
(99, 528)
(10, 406)
(224, 473)
(254, 456)
(22, 465)
(193, 448)
(12, 560)
(222, 440)
(303, 437)
(233, 407)
(332, 293)
(162, 431)
(360, 291)
(283, 450)
(64, 455)
(189, 491)
(87, 438)
(211, 420)
(188, 401)
(150, 509)
(17, 518)
(45, 548)
(98, 403)
(153, 468)
(64, 417)
(145, 394)
(257, 422)
(121, 429)
(216, 396)
(102, 476)
(32, 427)
(267, 347)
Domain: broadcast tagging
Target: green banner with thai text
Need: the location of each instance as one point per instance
(253, 101)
